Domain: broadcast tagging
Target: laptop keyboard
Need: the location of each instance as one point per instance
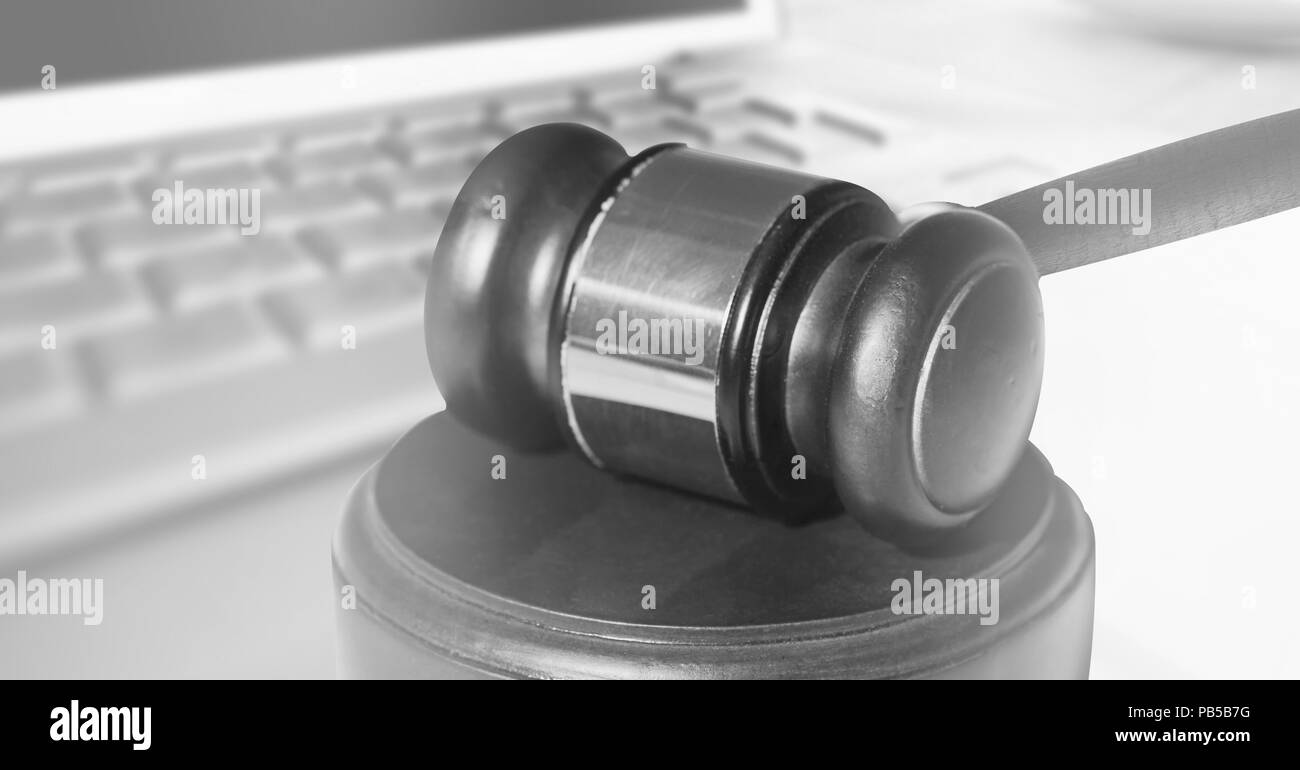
(172, 345)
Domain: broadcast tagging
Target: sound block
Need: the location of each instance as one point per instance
(562, 570)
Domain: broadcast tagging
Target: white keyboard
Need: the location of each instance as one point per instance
(174, 342)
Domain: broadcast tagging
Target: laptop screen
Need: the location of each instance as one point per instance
(94, 41)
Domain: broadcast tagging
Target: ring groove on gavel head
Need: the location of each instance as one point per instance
(736, 330)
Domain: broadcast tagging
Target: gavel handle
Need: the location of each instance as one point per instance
(1197, 185)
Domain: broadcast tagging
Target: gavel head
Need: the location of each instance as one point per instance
(740, 331)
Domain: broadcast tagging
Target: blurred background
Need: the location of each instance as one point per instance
(192, 435)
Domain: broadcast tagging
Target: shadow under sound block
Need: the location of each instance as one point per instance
(559, 569)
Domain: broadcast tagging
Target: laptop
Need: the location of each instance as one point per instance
(152, 373)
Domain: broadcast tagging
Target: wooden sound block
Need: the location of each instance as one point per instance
(561, 570)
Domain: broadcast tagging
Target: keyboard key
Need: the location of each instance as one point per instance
(239, 175)
(36, 257)
(730, 123)
(707, 96)
(373, 302)
(769, 108)
(85, 306)
(400, 235)
(686, 79)
(421, 186)
(86, 170)
(638, 112)
(444, 115)
(445, 145)
(35, 387)
(220, 150)
(333, 164)
(289, 209)
(135, 240)
(517, 105)
(615, 87)
(67, 207)
(336, 133)
(783, 144)
(864, 130)
(244, 268)
(183, 350)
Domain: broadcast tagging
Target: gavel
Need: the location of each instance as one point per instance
(781, 340)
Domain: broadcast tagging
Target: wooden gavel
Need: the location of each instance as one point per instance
(783, 340)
